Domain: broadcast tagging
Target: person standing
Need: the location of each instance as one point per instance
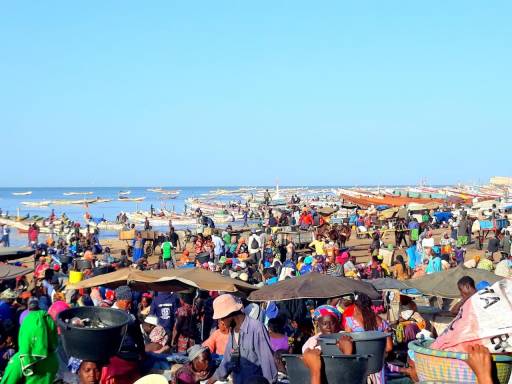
(245, 216)
(174, 239)
(248, 352)
(5, 235)
(255, 245)
(138, 248)
(400, 231)
(167, 256)
(33, 235)
(218, 246)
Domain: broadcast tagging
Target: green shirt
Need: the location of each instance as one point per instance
(166, 250)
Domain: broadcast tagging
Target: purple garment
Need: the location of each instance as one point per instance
(279, 343)
(256, 357)
(23, 315)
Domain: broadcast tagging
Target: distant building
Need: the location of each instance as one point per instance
(502, 180)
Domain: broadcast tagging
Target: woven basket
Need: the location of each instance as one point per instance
(444, 366)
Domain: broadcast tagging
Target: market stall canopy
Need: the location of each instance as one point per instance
(415, 207)
(387, 283)
(166, 280)
(312, 286)
(8, 271)
(388, 213)
(327, 211)
(444, 283)
(10, 253)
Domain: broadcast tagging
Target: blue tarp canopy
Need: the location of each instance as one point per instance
(443, 216)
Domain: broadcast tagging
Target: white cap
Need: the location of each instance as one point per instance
(151, 319)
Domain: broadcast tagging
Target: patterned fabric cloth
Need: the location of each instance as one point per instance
(158, 335)
(326, 310)
(74, 364)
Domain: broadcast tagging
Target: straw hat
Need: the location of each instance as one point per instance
(8, 294)
(244, 276)
(152, 379)
(224, 305)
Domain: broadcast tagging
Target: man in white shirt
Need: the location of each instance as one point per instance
(218, 249)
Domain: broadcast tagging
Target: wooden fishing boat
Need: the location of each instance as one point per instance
(170, 192)
(106, 226)
(44, 203)
(22, 193)
(76, 193)
(392, 201)
(122, 198)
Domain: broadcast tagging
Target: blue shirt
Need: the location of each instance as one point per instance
(414, 225)
(256, 357)
(164, 307)
(5, 311)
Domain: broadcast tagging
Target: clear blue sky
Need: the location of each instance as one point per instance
(244, 92)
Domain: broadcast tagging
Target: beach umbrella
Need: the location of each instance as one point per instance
(166, 280)
(10, 253)
(8, 271)
(387, 283)
(185, 278)
(312, 286)
(444, 283)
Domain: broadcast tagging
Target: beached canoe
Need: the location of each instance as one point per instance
(393, 201)
(106, 226)
(22, 193)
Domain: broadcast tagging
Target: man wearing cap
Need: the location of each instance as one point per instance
(124, 367)
(248, 352)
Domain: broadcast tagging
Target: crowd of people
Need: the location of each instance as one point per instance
(212, 336)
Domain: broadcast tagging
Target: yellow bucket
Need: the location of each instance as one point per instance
(75, 277)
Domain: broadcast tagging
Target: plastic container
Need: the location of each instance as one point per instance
(95, 344)
(443, 366)
(203, 257)
(371, 343)
(65, 259)
(337, 369)
(75, 277)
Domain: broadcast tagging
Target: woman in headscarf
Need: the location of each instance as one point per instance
(36, 361)
(326, 320)
(199, 368)
(364, 319)
(88, 372)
